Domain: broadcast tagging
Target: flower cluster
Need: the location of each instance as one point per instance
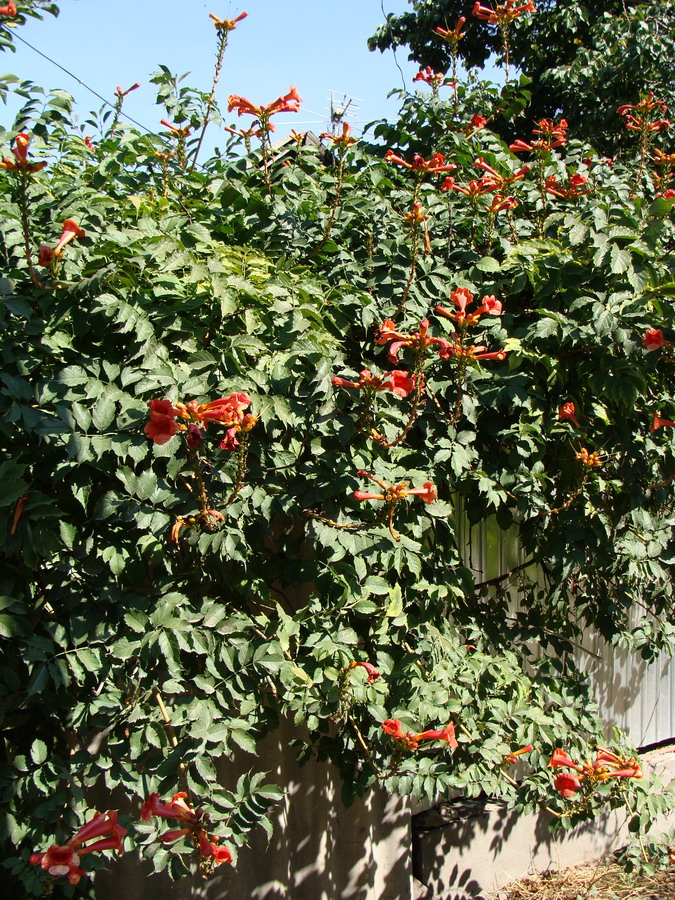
(397, 381)
(462, 297)
(176, 129)
(452, 35)
(643, 118)
(391, 494)
(498, 180)
(227, 24)
(489, 182)
(575, 187)
(8, 10)
(501, 203)
(120, 94)
(421, 166)
(246, 133)
(417, 341)
(71, 230)
(504, 14)
(64, 859)
(290, 102)
(228, 411)
(592, 460)
(475, 188)
(551, 135)
(20, 150)
(606, 765)
(194, 823)
(343, 140)
(411, 741)
(428, 76)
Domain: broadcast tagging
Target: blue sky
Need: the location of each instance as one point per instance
(317, 45)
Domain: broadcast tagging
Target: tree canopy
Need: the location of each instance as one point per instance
(583, 59)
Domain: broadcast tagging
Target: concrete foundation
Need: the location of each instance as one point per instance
(469, 850)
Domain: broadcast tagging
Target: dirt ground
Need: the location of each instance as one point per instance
(593, 881)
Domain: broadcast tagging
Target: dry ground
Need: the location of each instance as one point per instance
(594, 881)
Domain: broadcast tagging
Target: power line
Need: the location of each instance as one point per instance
(79, 81)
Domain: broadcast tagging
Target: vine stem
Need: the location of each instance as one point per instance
(414, 248)
(222, 44)
(504, 29)
(420, 383)
(242, 457)
(264, 144)
(25, 226)
(347, 526)
(202, 496)
(334, 206)
(182, 772)
(116, 116)
(364, 747)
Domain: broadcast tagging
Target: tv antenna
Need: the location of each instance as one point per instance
(342, 109)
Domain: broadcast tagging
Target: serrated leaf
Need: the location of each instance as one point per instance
(395, 607)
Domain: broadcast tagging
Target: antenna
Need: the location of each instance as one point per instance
(342, 107)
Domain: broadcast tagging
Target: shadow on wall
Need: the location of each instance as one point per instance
(319, 850)
(463, 850)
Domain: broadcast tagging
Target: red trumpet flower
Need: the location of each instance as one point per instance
(393, 493)
(195, 825)
(644, 118)
(567, 411)
(371, 671)
(227, 24)
(653, 339)
(567, 784)
(398, 382)
(475, 188)
(504, 14)
(121, 94)
(420, 165)
(551, 135)
(20, 162)
(290, 102)
(418, 341)
(65, 859)
(500, 203)
(658, 422)
(454, 35)
(512, 758)
(428, 76)
(71, 230)
(462, 297)
(500, 181)
(411, 741)
(574, 188)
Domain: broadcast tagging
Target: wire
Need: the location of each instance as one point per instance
(393, 50)
(79, 81)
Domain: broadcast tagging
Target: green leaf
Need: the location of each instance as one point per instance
(488, 264)
(104, 412)
(395, 607)
(38, 752)
(620, 260)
